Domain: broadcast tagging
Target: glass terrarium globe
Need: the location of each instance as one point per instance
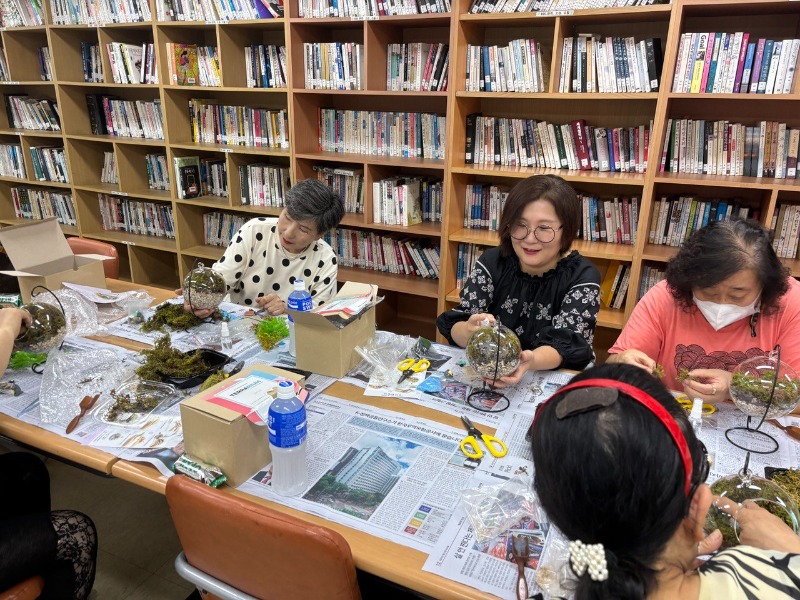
(493, 351)
(203, 288)
(47, 329)
(751, 385)
(735, 489)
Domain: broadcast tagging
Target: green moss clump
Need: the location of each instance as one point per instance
(137, 402)
(212, 380)
(683, 375)
(206, 280)
(658, 371)
(271, 331)
(165, 361)
(789, 480)
(173, 316)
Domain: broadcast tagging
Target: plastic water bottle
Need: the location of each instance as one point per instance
(299, 299)
(287, 441)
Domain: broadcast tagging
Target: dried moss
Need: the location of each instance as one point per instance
(165, 361)
(138, 402)
(212, 380)
(658, 371)
(173, 316)
(270, 331)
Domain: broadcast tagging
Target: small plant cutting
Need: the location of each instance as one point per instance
(22, 360)
(270, 331)
(165, 361)
(658, 371)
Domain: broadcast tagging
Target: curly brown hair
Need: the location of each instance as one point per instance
(723, 248)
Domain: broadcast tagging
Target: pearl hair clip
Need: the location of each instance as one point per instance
(591, 557)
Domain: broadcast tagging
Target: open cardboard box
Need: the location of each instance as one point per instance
(224, 437)
(41, 256)
(326, 349)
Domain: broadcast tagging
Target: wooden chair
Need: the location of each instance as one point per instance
(237, 549)
(24, 590)
(84, 246)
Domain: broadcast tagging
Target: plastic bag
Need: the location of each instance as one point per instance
(134, 304)
(554, 574)
(493, 509)
(70, 375)
(384, 352)
(82, 318)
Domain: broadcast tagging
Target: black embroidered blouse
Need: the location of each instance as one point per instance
(557, 309)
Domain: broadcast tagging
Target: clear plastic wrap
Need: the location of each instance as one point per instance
(69, 376)
(384, 352)
(554, 574)
(82, 316)
(492, 509)
(134, 305)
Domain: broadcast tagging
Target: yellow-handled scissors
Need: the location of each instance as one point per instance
(686, 404)
(470, 447)
(410, 366)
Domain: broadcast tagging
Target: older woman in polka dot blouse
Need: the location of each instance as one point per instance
(266, 255)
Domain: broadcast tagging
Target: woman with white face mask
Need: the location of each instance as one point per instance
(726, 298)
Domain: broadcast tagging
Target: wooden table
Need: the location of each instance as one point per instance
(375, 555)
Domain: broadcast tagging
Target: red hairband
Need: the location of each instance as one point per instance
(647, 401)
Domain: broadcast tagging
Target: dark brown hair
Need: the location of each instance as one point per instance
(541, 187)
(721, 249)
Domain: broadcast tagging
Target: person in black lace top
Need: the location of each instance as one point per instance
(547, 295)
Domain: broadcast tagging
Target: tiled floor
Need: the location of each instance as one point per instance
(137, 542)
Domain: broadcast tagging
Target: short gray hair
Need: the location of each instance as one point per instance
(312, 200)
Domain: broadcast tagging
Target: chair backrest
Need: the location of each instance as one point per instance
(257, 550)
(29, 589)
(84, 246)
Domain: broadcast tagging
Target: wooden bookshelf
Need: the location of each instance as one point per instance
(412, 302)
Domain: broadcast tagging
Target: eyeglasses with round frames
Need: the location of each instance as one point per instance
(543, 233)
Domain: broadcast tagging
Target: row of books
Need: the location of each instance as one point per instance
(785, 229)
(417, 67)
(190, 65)
(136, 216)
(650, 276)
(218, 11)
(389, 254)
(132, 63)
(468, 255)
(99, 12)
(49, 163)
(109, 172)
(614, 286)
(198, 176)
(21, 13)
(92, 62)
(265, 66)
(229, 125)
(484, 205)
(769, 149)
(514, 67)
(45, 64)
(31, 113)
(606, 64)
(5, 74)
(109, 115)
(364, 9)
(348, 183)
(673, 219)
(12, 162)
(520, 6)
(400, 200)
(730, 63)
(401, 134)
(34, 203)
(333, 66)
(219, 227)
(576, 145)
(609, 220)
(264, 185)
(157, 172)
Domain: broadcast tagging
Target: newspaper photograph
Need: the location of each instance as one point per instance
(390, 475)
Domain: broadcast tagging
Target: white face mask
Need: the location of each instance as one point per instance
(722, 315)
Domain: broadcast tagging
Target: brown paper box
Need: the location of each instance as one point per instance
(41, 256)
(323, 348)
(225, 438)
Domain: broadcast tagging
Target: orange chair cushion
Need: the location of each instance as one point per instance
(84, 246)
(30, 589)
(257, 550)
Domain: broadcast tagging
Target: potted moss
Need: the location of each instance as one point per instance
(203, 288)
(47, 330)
(494, 350)
(752, 383)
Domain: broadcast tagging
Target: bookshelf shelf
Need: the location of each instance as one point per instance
(407, 284)
(204, 251)
(32, 132)
(611, 15)
(557, 96)
(67, 229)
(657, 252)
(231, 149)
(370, 159)
(604, 250)
(117, 139)
(209, 202)
(613, 319)
(572, 176)
(17, 180)
(133, 239)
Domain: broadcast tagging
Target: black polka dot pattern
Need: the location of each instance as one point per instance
(276, 286)
(292, 279)
(251, 263)
(307, 272)
(239, 240)
(238, 275)
(333, 260)
(270, 270)
(259, 236)
(238, 258)
(222, 259)
(326, 281)
(285, 262)
(256, 278)
(247, 301)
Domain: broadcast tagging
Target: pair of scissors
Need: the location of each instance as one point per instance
(409, 366)
(686, 404)
(470, 447)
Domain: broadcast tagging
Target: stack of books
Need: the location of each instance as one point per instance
(49, 163)
(364, 9)
(31, 203)
(219, 227)
(265, 66)
(552, 7)
(21, 13)
(468, 255)
(45, 64)
(334, 66)
(109, 172)
(12, 163)
(157, 172)
(649, 277)
(614, 286)
(92, 62)
(136, 216)
(231, 125)
(218, 11)
(99, 12)
(675, 218)
(191, 65)
(264, 185)
(606, 220)
(348, 183)
(417, 67)
(484, 205)
(515, 67)
(786, 231)
(395, 201)
(109, 115)
(31, 113)
(132, 64)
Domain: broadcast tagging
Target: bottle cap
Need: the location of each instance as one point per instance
(285, 389)
(300, 285)
(223, 328)
(697, 409)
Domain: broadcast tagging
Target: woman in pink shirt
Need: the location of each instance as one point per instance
(726, 298)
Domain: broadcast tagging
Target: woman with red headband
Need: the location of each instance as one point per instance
(627, 488)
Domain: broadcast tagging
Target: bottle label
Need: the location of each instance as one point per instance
(287, 430)
(303, 302)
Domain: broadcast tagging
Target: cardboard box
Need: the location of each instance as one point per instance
(224, 437)
(41, 256)
(324, 348)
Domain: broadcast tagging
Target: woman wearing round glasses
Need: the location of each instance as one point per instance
(547, 295)
(627, 489)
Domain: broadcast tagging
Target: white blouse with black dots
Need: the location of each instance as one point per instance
(255, 265)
